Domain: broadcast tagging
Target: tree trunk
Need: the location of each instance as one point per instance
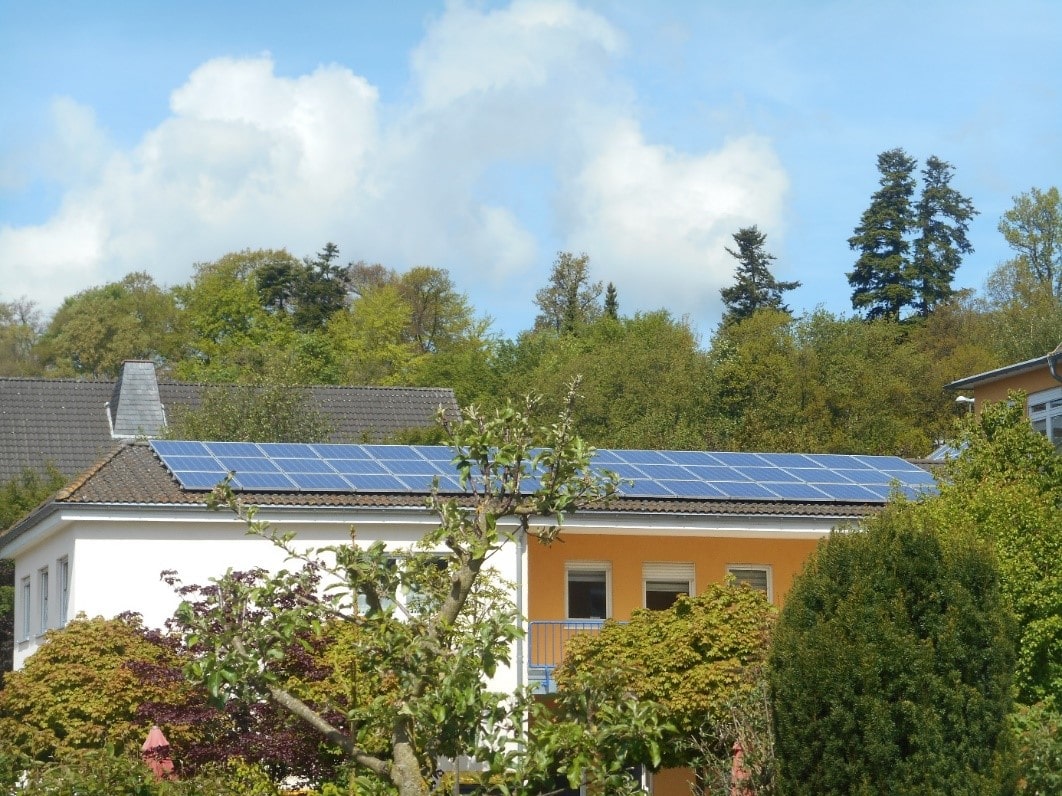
(405, 772)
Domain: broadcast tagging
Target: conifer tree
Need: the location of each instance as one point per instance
(888, 277)
(943, 216)
(880, 281)
(754, 285)
(611, 302)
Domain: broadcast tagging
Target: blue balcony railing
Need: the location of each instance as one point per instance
(547, 641)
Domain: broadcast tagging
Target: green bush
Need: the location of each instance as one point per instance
(891, 666)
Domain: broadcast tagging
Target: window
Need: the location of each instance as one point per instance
(27, 599)
(588, 594)
(42, 580)
(665, 582)
(757, 576)
(62, 572)
(1045, 414)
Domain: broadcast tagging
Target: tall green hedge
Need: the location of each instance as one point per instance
(891, 666)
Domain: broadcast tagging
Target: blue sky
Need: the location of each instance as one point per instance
(485, 137)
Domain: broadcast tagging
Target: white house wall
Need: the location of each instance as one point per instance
(116, 558)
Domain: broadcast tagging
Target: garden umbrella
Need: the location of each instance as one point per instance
(156, 753)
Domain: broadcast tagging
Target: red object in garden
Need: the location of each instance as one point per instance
(739, 775)
(156, 753)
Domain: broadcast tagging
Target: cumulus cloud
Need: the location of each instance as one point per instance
(521, 136)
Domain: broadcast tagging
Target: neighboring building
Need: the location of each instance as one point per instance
(683, 520)
(71, 423)
(1040, 379)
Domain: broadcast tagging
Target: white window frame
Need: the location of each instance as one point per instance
(43, 588)
(62, 573)
(588, 566)
(1046, 407)
(27, 607)
(734, 569)
(670, 572)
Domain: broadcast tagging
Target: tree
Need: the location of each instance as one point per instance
(611, 302)
(755, 287)
(695, 660)
(1007, 485)
(570, 300)
(887, 277)
(320, 289)
(1033, 228)
(266, 408)
(437, 646)
(891, 665)
(96, 330)
(942, 218)
(879, 280)
(80, 690)
(20, 328)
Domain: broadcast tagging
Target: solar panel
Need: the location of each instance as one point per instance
(290, 467)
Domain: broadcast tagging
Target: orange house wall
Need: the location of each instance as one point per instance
(626, 554)
(996, 391)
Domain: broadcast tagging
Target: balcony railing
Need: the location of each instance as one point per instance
(547, 641)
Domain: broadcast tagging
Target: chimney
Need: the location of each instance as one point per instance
(135, 408)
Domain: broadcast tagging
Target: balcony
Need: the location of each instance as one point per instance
(547, 641)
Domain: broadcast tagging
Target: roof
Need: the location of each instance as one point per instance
(1005, 372)
(64, 421)
(130, 474)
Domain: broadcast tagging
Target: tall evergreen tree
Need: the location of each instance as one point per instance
(754, 287)
(880, 281)
(943, 216)
(611, 302)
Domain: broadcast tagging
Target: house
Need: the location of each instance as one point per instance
(683, 519)
(1041, 381)
(71, 423)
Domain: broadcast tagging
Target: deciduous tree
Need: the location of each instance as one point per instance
(438, 647)
(570, 300)
(1033, 228)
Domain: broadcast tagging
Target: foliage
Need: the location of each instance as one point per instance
(569, 301)
(25, 492)
(879, 280)
(1039, 735)
(887, 277)
(20, 327)
(1033, 228)
(80, 690)
(267, 409)
(639, 379)
(94, 331)
(1007, 485)
(434, 627)
(942, 216)
(1022, 315)
(891, 665)
(108, 771)
(697, 660)
(755, 287)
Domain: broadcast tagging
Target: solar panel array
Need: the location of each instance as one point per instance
(414, 469)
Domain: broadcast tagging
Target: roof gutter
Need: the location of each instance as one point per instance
(1053, 361)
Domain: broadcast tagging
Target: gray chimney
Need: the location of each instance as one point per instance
(135, 408)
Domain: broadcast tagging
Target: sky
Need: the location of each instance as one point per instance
(485, 137)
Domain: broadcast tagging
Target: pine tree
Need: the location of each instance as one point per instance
(611, 302)
(943, 216)
(880, 279)
(754, 285)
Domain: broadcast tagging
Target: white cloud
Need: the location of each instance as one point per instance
(656, 221)
(521, 136)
